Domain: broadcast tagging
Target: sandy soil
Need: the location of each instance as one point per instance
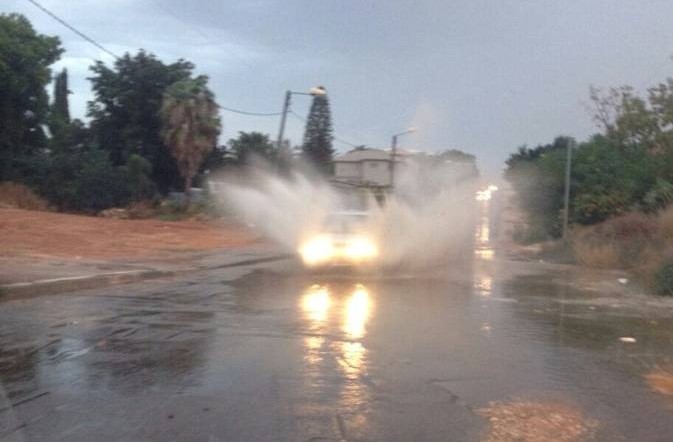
(25, 233)
(661, 381)
(536, 422)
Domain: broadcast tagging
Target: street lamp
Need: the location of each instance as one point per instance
(393, 151)
(317, 91)
(570, 144)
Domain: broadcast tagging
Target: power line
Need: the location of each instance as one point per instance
(346, 142)
(73, 29)
(334, 137)
(102, 48)
(206, 36)
(253, 114)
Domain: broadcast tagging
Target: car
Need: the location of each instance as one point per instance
(344, 238)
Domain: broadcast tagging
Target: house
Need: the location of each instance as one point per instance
(364, 166)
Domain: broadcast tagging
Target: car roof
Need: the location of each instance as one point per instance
(350, 213)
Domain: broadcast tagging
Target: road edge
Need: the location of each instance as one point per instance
(99, 280)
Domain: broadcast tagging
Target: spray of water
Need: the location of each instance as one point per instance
(428, 220)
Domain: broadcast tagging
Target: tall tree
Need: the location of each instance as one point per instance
(190, 125)
(249, 145)
(25, 57)
(61, 91)
(317, 147)
(59, 113)
(125, 112)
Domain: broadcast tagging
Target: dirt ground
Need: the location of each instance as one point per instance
(25, 233)
(536, 422)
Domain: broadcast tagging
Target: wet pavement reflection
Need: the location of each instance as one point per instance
(276, 354)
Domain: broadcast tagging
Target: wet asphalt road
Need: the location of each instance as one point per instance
(269, 353)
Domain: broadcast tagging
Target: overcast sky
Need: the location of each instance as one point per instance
(483, 76)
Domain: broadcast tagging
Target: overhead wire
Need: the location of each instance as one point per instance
(207, 37)
(252, 114)
(117, 57)
(334, 137)
(75, 30)
(109, 52)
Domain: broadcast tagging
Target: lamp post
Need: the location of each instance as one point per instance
(570, 144)
(393, 153)
(317, 91)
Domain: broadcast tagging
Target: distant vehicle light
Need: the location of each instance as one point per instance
(486, 194)
(483, 195)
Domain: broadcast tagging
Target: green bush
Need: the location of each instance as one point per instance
(607, 180)
(660, 196)
(663, 279)
(139, 181)
(202, 205)
(593, 208)
(84, 181)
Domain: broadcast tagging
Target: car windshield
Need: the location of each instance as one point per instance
(345, 223)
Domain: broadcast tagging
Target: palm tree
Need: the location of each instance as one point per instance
(190, 125)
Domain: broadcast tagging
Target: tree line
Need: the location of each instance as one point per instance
(627, 166)
(152, 126)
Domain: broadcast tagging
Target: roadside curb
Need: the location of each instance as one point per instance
(76, 283)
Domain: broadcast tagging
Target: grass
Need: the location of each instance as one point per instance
(663, 278)
(665, 219)
(637, 242)
(601, 256)
(20, 197)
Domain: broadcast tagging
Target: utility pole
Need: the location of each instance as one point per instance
(393, 154)
(314, 92)
(566, 190)
(283, 118)
(393, 159)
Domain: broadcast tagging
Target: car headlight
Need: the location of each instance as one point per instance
(324, 248)
(361, 248)
(317, 250)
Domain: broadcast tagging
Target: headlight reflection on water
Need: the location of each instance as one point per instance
(357, 313)
(315, 303)
(325, 308)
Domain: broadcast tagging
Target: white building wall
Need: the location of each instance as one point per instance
(376, 172)
(348, 171)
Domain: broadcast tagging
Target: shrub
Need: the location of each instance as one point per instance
(138, 176)
(660, 196)
(202, 205)
(663, 279)
(84, 181)
(617, 242)
(142, 209)
(21, 197)
(649, 263)
(665, 224)
(592, 208)
(630, 226)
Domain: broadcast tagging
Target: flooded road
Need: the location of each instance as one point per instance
(270, 353)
